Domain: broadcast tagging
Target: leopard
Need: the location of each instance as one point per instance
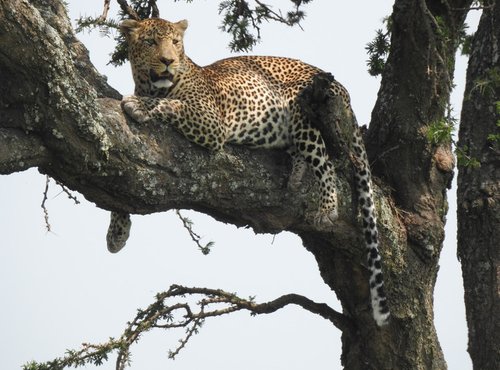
(244, 100)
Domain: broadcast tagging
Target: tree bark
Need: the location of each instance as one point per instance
(58, 114)
(479, 193)
(414, 93)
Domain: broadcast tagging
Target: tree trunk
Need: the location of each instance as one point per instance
(58, 114)
(414, 93)
(479, 193)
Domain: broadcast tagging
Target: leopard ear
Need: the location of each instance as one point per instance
(181, 25)
(128, 27)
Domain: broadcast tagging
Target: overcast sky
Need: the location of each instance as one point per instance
(62, 288)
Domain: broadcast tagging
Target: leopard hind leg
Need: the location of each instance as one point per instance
(299, 167)
(310, 148)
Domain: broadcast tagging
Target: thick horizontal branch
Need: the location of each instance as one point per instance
(122, 166)
(20, 150)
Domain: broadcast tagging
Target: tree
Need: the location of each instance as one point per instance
(478, 199)
(83, 141)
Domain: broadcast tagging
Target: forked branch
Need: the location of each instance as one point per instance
(184, 307)
(127, 9)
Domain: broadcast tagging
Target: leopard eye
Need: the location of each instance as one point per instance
(150, 42)
(175, 41)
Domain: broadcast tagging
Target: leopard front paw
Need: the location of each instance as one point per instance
(134, 107)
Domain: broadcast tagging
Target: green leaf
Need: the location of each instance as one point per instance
(440, 132)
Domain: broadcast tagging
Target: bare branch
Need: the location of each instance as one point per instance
(155, 13)
(68, 193)
(105, 11)
(270, 14)
(44, 207)
(162, 315)
(188, 225)
(191, 331)
(127, 9)
(219, 296)
(214, 302)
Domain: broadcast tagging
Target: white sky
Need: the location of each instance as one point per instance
(63, 288)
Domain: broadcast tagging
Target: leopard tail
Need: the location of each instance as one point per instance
(118, 231)
(364, 186)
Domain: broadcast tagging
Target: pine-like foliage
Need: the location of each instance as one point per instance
(242, 19)
(378, 49)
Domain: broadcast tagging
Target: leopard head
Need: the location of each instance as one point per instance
(156, 52)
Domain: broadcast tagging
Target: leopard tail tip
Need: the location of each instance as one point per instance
(380, 307)
(381, 318)
(114, 246)
(118, 231)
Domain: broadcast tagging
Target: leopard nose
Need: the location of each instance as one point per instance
(166, 61)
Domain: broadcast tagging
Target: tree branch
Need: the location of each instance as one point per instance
(155, 12)
(20, 150)
(237, 304)
(164, 315)
(188, 225)
(105, 11)
(122, 166)
(127, 9)
(239, 18)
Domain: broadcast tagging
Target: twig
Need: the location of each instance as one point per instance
(45, 198)
(278, 17)
(188, 225)
(383, 154)
(44, 207)
(68, 193)
(105, 11)
(182, 342)
(127, 9)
